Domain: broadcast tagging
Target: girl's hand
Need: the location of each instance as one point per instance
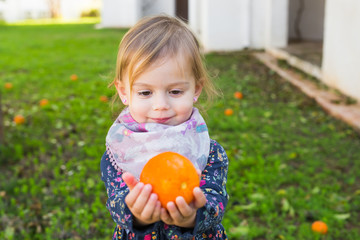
(143, 204)
(182, 214)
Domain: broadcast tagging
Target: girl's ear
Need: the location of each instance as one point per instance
(198, 89)
(120, 87)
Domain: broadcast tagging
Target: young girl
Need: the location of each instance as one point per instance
(159, 77)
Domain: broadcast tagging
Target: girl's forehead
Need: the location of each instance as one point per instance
(179, 62)
(170, 70)
(182, 59)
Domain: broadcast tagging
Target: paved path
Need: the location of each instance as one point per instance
(327, 99)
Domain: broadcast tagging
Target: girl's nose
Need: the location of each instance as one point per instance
(160, 102)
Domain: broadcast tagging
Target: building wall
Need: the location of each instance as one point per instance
(276, 19)
(71, 9)
(236, 25)
(225, 27)
(8, 11)
(33, 9)
(153, 7)
(17, 10)
(220, 26)
(120, 13)
(239, 24)
(125, 13)
(341, 55)
(257, 24)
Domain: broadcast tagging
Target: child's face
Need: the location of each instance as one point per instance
(164, 93)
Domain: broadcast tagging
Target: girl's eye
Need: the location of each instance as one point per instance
(144, 93)
(176, 92)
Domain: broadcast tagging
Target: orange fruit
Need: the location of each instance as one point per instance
(19, 119)
(43, 102)
(170, 175)
(238, 95)
(228, 112)
(8, 85)
(74, 77)
(104, 98)
(320, 227)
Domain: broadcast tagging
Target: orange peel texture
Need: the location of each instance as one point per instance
(171, 175)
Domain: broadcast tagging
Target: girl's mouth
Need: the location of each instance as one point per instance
(161, 120)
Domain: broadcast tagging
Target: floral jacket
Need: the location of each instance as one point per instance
(208, 218)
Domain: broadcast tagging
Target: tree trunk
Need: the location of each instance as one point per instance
(54, 6)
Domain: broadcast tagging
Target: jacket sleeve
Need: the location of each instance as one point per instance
(117, 190)
(213, 183)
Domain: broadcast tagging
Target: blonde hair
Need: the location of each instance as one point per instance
(153, 38)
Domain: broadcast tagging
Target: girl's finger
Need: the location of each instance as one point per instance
(129, 179)
(130, 199)
(142, 199)
(150, 206)
(174, 212)
(165, 217)
(157, 211)
(200, 198)
(184, 209)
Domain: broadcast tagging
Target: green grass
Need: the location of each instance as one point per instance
(290, 163)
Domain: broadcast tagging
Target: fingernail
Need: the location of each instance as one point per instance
(153, 196)
(170, 204)
(140, 185)
(147, 187)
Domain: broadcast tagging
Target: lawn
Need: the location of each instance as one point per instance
(290, 163)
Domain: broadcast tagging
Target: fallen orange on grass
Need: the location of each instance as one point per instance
(43, 102)
(74, 77)
(19, 119)
(8, 85)
(170, 175)
(104, 98)
(238, 95)
(228, 112)
(320, 227)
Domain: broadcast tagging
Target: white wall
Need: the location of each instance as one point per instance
(2, 10)
(239, 23)
(341, 57)
(120, 13)
(220, 26)
(71, 9)
(235, 25)
(196, 16)
(125, 13)
(153, 7)
(9, 10)
(17, 10)
(34, 9)
(276, 19)
(312, 20)
(257, 23)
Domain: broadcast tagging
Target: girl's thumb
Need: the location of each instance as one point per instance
(200, 199)
(129, 179)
